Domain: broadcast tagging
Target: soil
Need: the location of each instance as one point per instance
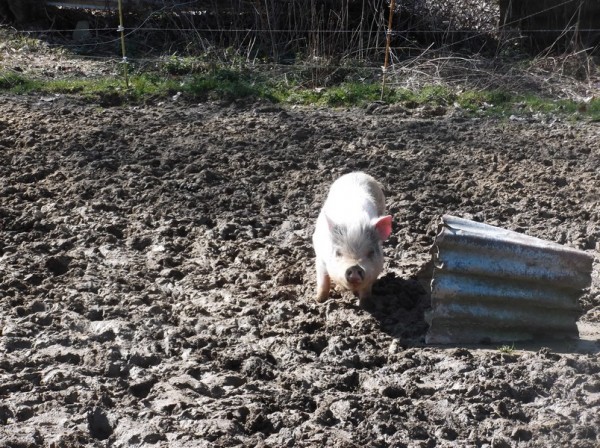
(157, 284)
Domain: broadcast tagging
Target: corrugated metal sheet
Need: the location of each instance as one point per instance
(493, 285)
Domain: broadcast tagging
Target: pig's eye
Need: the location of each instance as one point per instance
(338, 253)
(371, 253)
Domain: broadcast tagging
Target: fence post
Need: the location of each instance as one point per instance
(121, 29)
(388, 39)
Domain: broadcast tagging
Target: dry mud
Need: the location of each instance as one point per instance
(156, 278)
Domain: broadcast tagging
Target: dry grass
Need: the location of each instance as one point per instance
(571, 76)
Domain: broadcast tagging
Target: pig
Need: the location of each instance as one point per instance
(348, 236)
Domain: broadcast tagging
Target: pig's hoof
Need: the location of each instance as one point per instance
(322, 297)
(365, 301)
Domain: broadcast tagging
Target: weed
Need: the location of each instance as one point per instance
(176, 65)
(593, 109)
(351, 94)
(492, 103)
(436, 94)
(226, 83)
(507, 349)
(16, 83)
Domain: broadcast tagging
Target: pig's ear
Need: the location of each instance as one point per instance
(383, 225)
(330, 223)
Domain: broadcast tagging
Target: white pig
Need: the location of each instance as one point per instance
(348, 235)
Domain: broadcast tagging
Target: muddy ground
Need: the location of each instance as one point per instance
(156, 278)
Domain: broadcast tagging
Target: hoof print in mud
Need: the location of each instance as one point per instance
(99, 426)
(58, 265)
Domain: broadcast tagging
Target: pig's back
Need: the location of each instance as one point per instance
(353, 196)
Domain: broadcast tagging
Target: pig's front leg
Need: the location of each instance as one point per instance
(364, 295)
(323, 282)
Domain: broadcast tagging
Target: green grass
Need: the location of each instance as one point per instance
(209, 82)
(16, 83)
(343, 95)
(507, 349)
(228, 84)
(435, 95)
(496, 102)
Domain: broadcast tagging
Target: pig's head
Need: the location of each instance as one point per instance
(356, 259)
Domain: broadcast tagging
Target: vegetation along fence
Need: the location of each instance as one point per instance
(286, 29)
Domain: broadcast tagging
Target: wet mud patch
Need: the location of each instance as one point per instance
(157, 278)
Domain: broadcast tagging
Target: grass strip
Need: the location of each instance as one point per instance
(233, 84)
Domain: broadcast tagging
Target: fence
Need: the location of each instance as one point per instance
(544, 22)
(324, 37)
(280, 28)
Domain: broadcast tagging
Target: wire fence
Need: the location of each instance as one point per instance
(315, 43)
(505, 25)
(266, 30)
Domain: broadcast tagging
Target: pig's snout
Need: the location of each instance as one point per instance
(355, 274)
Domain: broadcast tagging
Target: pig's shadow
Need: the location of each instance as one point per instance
(399, 304)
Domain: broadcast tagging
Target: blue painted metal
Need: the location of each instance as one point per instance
(493, 285)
